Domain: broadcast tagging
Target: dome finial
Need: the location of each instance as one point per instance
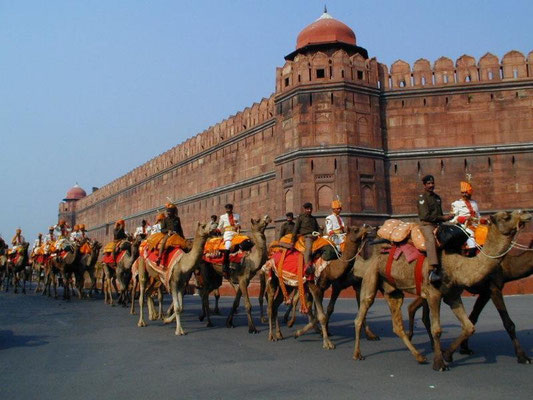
(325, 9)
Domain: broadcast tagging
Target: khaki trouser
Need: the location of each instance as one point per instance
(431, 245)
(309, 239)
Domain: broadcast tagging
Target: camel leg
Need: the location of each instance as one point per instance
(467, 326)
(369, 288)
(499, 303)
(335, 292)
(434, 300)
(177, 301)
(236, 302)
(370, 335)
(272, 309)
(262, 291)
(293, 308)
(205, 307)
(160, 301)
(411, 310)
(248, 305)
(479, 305)
(142, 288)
(216, 311)
(318, 296)
(395, 301)
(134, 287)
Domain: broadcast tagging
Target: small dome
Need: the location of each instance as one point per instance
(75, 193)
(326, 29)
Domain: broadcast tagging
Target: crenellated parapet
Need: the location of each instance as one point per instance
(216, 135)
(322, 68)
(513, 66)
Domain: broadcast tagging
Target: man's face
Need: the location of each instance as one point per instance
(229, 210)
(290, 218)
(337, 211)
(308, 211)
(429, 186)
(466, 195)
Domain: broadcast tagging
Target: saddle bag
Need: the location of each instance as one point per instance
(451, 237)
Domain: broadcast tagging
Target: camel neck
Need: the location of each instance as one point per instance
(258, 252)
(194, 255)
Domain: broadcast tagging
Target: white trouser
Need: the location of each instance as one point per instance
(337, 238)
(228, 236)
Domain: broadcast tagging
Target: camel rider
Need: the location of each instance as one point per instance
(307, 226)
(213, 225)
(119, 234)
(142, 231)
(75, 235)
(287, 226)
(430, 214)
(18, 240)
(84, 240)
(83, 233)
(156, 228)
(466, 214)
(229, 226)
(170, 225)
(50, 240)
(335, 225)
(37, 244)
(63, 229)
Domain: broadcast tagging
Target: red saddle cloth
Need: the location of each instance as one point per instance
(163, 269)
(234, 258)
(15, 258)
(411, 253)
(40, 259)
(109, 258)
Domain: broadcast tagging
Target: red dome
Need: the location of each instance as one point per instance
(326, 29)
(75, 193)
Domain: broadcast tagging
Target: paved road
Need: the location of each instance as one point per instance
(50, 349)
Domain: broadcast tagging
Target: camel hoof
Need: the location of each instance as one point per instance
(523, 359)
(201, 317)
(272, 338)
(421, 359)
(253, 330)
(297, 334)
(466, 351)
(328, 346)
(141, 324)
(374, 338)
(440, 366)
(264, 320)
(209, 324)
(358, 357)
(216, 311)
(448, 356)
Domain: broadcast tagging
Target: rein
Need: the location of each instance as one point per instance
(339, 255)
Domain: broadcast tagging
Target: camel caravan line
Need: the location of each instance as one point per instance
(391, 260)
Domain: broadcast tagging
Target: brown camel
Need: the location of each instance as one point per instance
(18, 270)
(65, 265)
(458, 272)
(111, 271)
(335, 269)
(123, 271)
(38, 269)
(212, 276)
(181, 268)
(86, 263)
(512, 268)
(246, 270)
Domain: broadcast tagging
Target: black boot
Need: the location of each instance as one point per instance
(435, 276)
(225, 266)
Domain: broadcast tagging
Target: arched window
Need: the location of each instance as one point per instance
(289, 206)
(368, 200)
(325, 197)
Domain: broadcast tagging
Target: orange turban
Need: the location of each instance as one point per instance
(82, 227)
(170, 206)
(120, 222)
(336, 204)
(76, 227)
(160, 217)
(466, 187)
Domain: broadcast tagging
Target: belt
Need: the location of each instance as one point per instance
(230, 228)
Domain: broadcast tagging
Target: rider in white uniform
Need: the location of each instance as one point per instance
(335, 228)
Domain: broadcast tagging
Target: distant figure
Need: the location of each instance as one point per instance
(287, 226)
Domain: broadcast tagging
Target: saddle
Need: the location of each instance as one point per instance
(152, 242)
(286, 241)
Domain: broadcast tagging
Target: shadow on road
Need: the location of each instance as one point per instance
(8, 340)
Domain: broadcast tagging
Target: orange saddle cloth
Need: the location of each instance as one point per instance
(299, 245)
(152, 242)
(109, 247)
(216, 244)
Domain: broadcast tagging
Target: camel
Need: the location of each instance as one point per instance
(65, 265)
(18, 268)
(50, 276)
(334, 270)
(86, 263)
(123, 271)
(39, 269)
(3, 267)
(111, 272)
(512, 268)
(458, 272)
(212, 277)
(246, 270)
(181, 267)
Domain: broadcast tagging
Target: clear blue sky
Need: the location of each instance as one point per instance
(91, 89)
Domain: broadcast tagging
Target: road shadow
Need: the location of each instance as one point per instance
(8, 339)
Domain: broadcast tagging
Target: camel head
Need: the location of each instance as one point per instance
(97, 245)
(259, 225)
(355, 233)
(202, 230)
(509, 222)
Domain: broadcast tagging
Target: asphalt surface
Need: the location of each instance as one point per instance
(52, 349)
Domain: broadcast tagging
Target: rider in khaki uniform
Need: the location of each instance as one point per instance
(430, 214)
(305, 225)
